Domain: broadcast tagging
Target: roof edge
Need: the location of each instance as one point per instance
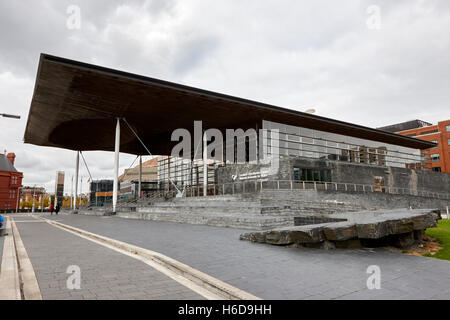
(216, 95)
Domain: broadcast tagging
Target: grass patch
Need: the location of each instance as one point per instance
(442, 235)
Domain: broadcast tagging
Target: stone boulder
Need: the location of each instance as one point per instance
(399, 226)
(424, 221)
(279, 237)
(340, 231)
(308, 234)
(372, 229)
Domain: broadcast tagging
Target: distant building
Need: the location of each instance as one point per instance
(10, 183)
(59, 188)
(438, 158)
(101, 192)
(29, 192)
(255, 142)
(149, 171)
(176, 171)
(129, 180)
(408, 125)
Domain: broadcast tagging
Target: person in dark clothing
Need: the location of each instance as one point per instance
(1, 221)
(57, 209)
(51, 209)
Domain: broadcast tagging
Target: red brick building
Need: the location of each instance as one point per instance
(437, 159)
(10, 183)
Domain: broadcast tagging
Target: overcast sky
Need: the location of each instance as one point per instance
(372, 63)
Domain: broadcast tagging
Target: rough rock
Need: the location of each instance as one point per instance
(400, 226)
(403, 240)
(254, 237)
(372, 229)
(340, 231)
(328, 245)
(278, 237)
(308, 234)
(424, 221)
(418, 235)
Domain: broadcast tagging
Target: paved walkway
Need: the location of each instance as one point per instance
(266, 271)
(272, 272)
(2, 241)
(105, 273)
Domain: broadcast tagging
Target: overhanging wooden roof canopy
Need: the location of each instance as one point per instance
(75, 106)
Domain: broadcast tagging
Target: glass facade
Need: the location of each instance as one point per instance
(316, 144)
(319, 175)
(182, 172)
(435, 157)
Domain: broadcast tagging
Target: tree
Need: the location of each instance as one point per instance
(46, 202)
(26, 204)
(67, 202)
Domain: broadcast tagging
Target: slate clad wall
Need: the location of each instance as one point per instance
(343, 172)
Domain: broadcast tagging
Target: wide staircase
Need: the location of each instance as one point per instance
(263, 210)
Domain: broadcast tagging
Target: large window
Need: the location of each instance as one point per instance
(448, 128)
(14, 180)
(437, 169)
(318, 175)
(428, 132)
(435, 157)
(316, 144)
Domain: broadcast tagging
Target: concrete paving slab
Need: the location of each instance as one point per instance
(275, 272)
(2, 240)
(104, 273)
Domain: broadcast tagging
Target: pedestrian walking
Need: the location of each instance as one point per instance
(51, 209)
(57, 208)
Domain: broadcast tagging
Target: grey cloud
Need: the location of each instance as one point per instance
(295, 54)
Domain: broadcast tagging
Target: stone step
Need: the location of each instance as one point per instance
(253, 223)
(199, 204)
(211, 209)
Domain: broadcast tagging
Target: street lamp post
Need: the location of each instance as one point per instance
(81, 189)
(13, 116)
(18, 198)
(71, 195)
(96, 191)
(34, 197)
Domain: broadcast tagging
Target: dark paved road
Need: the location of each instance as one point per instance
(105, 273)
(272, 272)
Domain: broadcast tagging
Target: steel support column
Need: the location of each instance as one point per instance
(140, 178)
(77, 167)
(116, 165)
(205, 165)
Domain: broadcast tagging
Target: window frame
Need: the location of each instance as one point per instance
(435, 159)
(321, 175)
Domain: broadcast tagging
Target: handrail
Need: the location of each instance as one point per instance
(252, 186)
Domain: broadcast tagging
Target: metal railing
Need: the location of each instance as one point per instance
(245, 187)
(127, 202)
(255, 186)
